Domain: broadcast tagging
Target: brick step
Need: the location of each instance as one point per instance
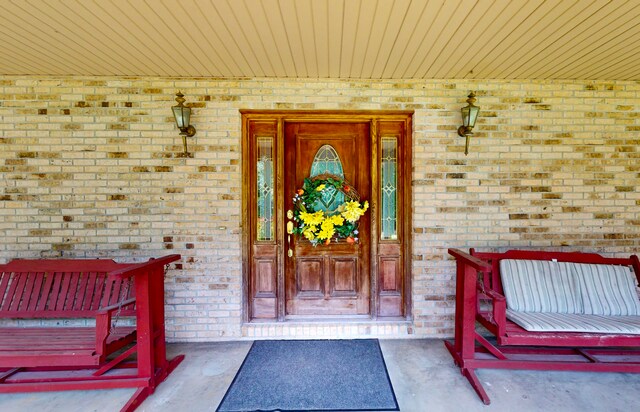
(327, 329)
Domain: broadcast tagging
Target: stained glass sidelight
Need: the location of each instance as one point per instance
(266, 183)
(389, 188)
(327, 160)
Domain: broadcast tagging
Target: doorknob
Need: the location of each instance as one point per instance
(289, 232)
(290, 251)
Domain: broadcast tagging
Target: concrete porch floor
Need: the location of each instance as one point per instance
(422, 373)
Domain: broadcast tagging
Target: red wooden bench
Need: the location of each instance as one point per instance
(96, 354)
(504, 344)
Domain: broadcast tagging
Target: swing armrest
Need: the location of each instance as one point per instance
(497, 314)
(493, 295)
(115, 306)
(103, 323)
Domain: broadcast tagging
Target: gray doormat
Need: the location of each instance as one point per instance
(311, 375)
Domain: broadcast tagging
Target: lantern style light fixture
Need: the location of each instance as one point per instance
(183, 115)
(469, 116)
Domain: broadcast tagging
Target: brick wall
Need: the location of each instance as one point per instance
(93, 166)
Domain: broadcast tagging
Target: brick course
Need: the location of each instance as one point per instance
(93, 167)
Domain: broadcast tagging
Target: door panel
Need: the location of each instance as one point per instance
(309, 276)
(344, 277)
(328, 279)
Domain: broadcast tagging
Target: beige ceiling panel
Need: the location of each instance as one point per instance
(454, 17)
(484, 31)
(292, 37)
(335, 20)
(25, 60)
(274, 22)
(579, 37)
(628, 70)
(230, 30)
(479, 17)
(143, 27)
(561, 26)
(222, 63)
(608, 39)
(120, 54)
(350, 24)
(395, 21)
(190, 39)
(390, 28)
(184, 38)
(304, 14)
(457, 25)
(439, 39)
(378, 36)
(442, 12)
(320, 16)
(406, 45)
(128, 28)
(62, 34)
(17, 31)
(611, 57)
(364, 32)
(238, 12)
(524, 25)
(497, 31)
(115, 57)
(533, 33)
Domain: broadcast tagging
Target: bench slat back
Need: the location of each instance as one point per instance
(37, 288)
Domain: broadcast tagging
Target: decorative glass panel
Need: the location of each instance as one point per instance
(389, 188)
(266, 184)
(327, 160)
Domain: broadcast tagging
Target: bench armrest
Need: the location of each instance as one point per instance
(149, 265)
(468, 260)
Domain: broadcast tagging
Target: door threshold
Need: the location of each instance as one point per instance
(329, 319)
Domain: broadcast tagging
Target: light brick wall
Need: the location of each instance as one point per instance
(93, 166)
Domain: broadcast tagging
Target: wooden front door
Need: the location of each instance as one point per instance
(370, 278)
(328, 279)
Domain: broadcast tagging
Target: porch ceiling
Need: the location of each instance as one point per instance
(400, 39)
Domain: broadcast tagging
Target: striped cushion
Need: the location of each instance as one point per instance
(539, 286)
(570, 322)
(607, 289)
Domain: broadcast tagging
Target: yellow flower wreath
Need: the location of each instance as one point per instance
(320, 226)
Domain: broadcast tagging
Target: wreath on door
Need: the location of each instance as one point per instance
(320, 226)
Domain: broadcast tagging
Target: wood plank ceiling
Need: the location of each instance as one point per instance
(368, 39)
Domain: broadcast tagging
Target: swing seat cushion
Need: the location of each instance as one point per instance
(548, 296)
(570, 322)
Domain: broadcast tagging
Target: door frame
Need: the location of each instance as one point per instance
(379, 121)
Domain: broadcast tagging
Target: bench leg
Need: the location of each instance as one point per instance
(143, 393)
(475, 383)
(138, 397)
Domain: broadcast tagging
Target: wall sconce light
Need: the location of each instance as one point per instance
(183, 115)
(469, 116)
